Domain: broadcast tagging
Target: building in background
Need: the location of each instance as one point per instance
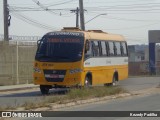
(139, 53)
(139, 59)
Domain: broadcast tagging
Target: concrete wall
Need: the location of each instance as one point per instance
(16, 62)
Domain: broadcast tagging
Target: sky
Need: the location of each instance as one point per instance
(130, 18)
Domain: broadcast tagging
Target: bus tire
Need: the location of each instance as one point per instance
(115, 79)
(44, 89)
(88, 81)
(108, 84)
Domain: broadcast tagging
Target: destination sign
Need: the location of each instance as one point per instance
(66, 33)
(64, 40)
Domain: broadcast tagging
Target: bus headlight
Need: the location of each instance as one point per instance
(75, 70)
(37, 70)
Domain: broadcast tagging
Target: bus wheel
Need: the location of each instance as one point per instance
(115, 80)
(88, 81)
(108, 84)
(44, 89)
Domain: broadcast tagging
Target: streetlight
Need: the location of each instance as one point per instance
(95, 17)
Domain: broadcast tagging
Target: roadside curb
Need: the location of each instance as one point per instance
(92, 100)
(72, 103)
(6, 88)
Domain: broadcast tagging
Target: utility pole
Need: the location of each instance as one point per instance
(77, 16)
(6, 15)
(81, 14)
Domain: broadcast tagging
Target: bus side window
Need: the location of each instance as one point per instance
(88, 52)
(117, 48)
(96, 50)
(103, 48)
(107, 48)
(111, 48)
(124, 48)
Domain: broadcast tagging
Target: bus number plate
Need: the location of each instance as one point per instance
(54, 76)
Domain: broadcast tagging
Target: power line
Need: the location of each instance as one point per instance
(132, 5)
(14, 9)
(88, 8)
(31, 21)
(42, 6)
(35, 8)
(47, 9)
(129, 19)
(66, 2)
(127, 8)
(123, 1)
(57, 2)
(140, 27)
(125, 12)
(23, 7)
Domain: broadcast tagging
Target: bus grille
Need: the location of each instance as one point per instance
(54, 75)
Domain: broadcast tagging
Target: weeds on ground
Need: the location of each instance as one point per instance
(8, 107)
(91, 92)
(72, 95)
(33, 105)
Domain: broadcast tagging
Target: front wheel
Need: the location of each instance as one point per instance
(44, 89)
(88, 81)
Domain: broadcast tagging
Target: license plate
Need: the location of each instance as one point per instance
(54, 76)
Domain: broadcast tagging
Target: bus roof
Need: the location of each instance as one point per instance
(103, 36)
(96, 34)
(93, 34)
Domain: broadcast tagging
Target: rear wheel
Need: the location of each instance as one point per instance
(108, 84)
(44, 89)
(115, 80)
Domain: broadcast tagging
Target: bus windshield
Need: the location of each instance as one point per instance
(60, 48)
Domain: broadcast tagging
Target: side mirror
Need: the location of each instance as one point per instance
(38, 42)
